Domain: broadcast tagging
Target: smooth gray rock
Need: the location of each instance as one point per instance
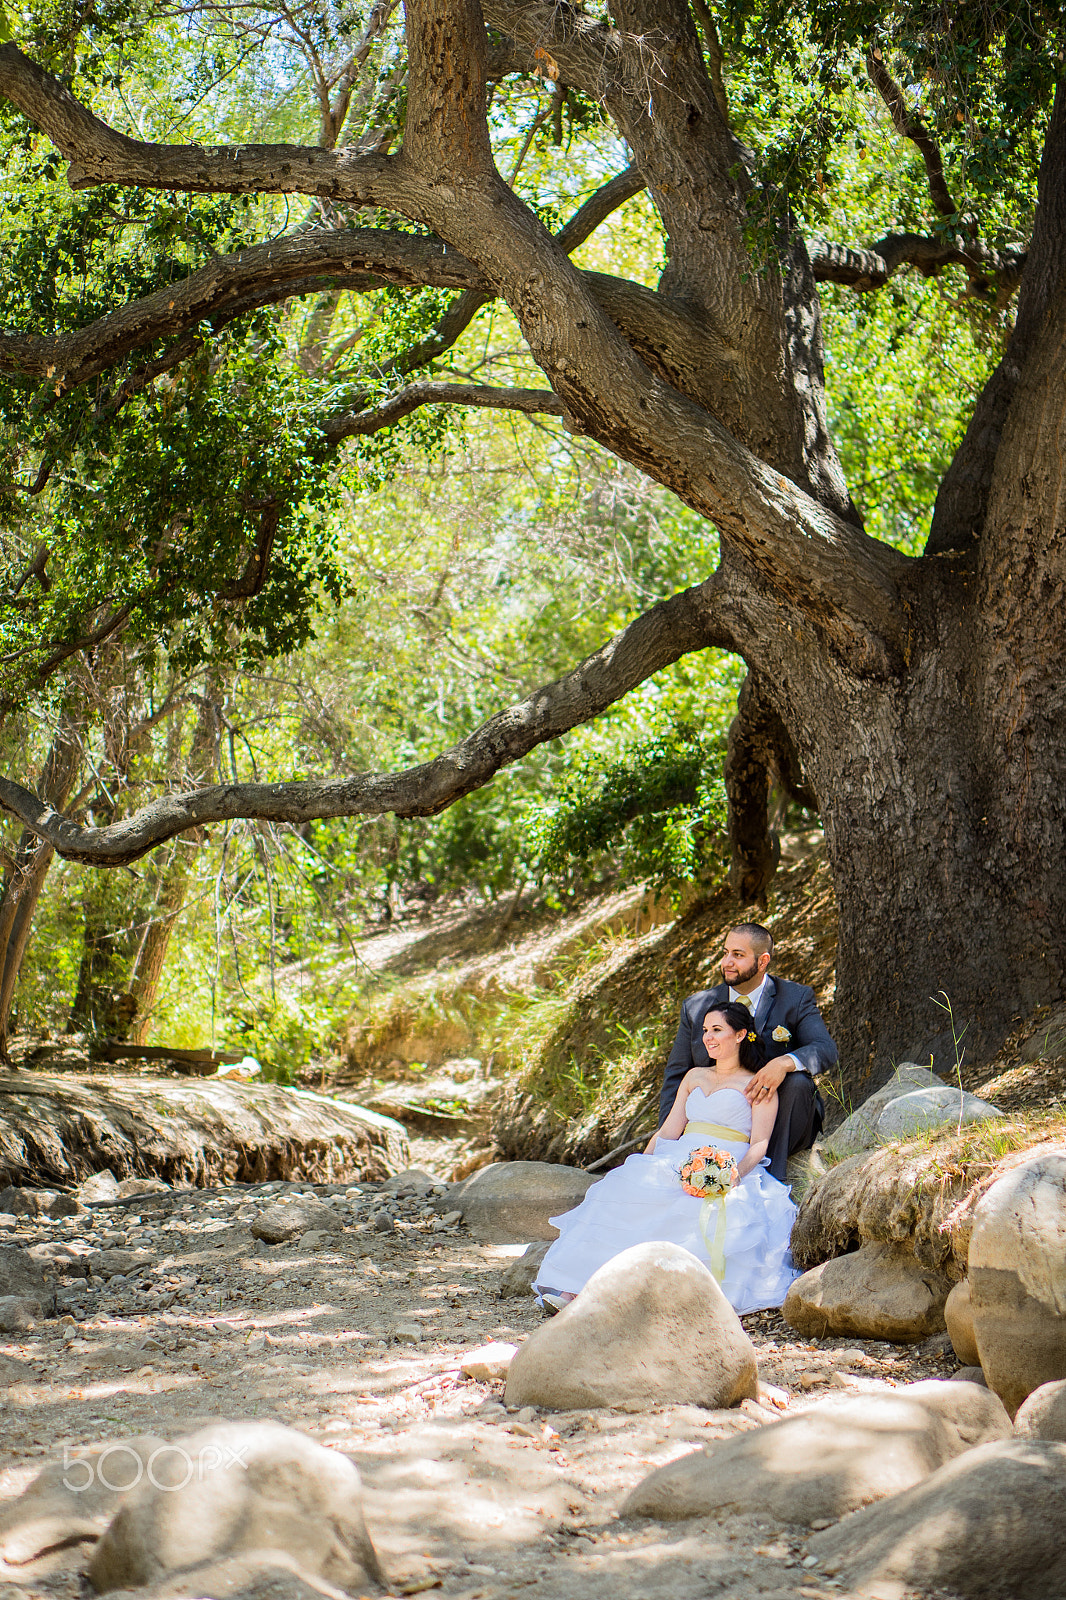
(651, 1326)
(841, 1454)
(988, 1526)
(118, 1263)
(969, 1375)
(511, 1202)
(291, 1219)
(234, 1489)
(859, 1131)
(878, 1292)
(925, 1109)
(1017, 1273)
(1043, 1415)
(252, 1575)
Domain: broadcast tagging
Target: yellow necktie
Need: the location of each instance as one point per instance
(745, 1000)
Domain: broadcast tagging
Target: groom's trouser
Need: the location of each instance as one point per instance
(799, 1119)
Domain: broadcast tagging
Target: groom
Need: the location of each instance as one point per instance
(794, 1037)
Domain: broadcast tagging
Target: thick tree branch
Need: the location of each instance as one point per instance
(688, 621)
(446, 130)
(100, 155)
(598, 207)
(356, 259)
(535, 402)
(871, 266)
(846, 583)
(461, 313)
(908, 126)
(360, 258)
(962, 503)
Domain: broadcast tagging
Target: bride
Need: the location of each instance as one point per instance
(743, 1238)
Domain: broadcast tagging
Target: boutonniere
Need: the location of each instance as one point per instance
(782, 1035)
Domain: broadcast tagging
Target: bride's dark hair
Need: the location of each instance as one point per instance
(752, 1054)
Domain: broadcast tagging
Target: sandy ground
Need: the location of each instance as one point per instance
(358, 1343)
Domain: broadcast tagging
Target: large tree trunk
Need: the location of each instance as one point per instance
(919, 700)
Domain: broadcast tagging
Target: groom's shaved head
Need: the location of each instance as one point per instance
(760, 938)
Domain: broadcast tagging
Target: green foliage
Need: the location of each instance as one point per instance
(662, 801)
(978, 76)
(903, 370)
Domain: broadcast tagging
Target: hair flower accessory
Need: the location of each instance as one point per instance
(752, 1035)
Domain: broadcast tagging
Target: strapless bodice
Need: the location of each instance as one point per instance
(729, 1107)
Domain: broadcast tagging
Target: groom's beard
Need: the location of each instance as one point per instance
(743, 976)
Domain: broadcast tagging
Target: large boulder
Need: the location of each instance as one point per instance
(1043, 1415)
(511, 1202)
(237, 1488)
(72, 1501)
(988, 1526)
(831, 1459)
(878, 1292)
(1018, 1278)
(651, 1326)
(958, 1318)
(916, 1195)
(922, 1110)
(859, 1130)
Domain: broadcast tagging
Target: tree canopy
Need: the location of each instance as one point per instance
(273, 234)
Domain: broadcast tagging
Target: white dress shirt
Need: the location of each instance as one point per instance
(754, 998)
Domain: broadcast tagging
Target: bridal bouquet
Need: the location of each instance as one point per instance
(707, 1173)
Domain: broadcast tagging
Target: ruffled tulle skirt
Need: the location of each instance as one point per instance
(643, 1202)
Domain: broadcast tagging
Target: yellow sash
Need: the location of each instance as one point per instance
(716, 1131)
(715, 1242)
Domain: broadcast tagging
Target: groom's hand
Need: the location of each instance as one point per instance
(768, 1079)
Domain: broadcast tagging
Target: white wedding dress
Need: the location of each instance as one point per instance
(643, 1201)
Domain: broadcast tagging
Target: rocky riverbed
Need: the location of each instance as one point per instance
(353, 1328)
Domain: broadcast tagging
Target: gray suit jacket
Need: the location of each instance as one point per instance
(781, 1005)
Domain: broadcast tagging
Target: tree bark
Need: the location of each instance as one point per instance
(920, 699)
(759, 756)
